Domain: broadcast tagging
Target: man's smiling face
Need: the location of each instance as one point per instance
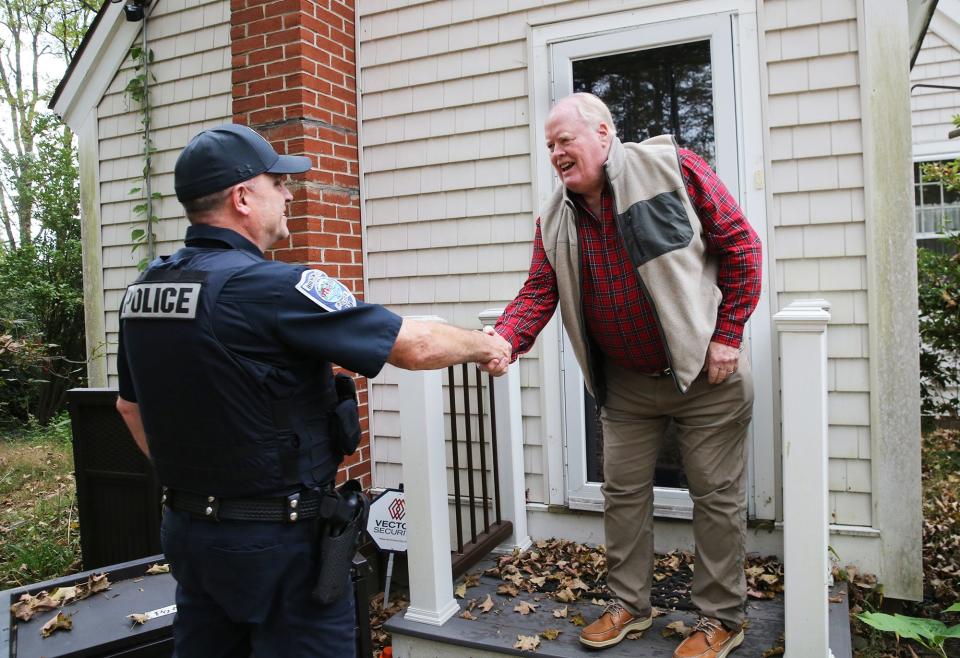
(577, 151)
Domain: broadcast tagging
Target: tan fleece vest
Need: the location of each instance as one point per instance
(665, 241)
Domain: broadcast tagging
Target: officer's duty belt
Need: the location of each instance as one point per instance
(299, 506)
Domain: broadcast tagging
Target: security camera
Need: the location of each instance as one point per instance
(133, 10)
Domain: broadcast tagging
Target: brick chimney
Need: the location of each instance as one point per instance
(294, 81)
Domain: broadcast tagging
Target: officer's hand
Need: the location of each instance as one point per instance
(721, 362)
(499, 364)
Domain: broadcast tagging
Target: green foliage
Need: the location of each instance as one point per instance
(138, 91)
(938, 280)
(41, 289)
(931, 633)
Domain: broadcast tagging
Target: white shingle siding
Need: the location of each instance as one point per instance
(932, 109)
(815, 148)
(191, 48)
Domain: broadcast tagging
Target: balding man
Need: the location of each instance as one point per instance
(656, 271)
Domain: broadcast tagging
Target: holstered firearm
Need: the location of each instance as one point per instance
(339, 539)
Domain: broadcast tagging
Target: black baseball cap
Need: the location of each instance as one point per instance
(225, 155)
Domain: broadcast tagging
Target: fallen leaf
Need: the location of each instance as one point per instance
(525, 608)
(576, 583)
(599, 602)
(460, 591)
(676, 628)
(515, 578)
(28, 605)
(635, 635)
(508, 590)
(578, 620)
(775, 651)
(487, 604)
(527, 642)
(538, 580)
(551, 633)
(138, 618)
(467, 615)
(835, 599)
(560, 612)
(471, 579)
(64, 595)
(566, 595)
(61, 622)
(155, 569)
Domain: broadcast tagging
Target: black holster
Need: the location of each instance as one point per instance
(339, 539)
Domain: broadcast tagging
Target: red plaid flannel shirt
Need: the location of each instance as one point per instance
(618, 316)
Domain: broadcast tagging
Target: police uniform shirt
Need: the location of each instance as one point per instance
(274, 314)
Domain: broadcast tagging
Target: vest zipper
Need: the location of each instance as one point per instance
(643, 285)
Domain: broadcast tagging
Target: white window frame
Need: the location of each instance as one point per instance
(730, 25)
(926, 160)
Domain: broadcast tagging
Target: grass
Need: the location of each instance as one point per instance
(39, 531)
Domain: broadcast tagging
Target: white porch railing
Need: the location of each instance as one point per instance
(425, 483)
(802, 328)
(803, 375)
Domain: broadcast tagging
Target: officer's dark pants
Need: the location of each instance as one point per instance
(244, 588)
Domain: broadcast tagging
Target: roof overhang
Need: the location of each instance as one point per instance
(100, 55)
(919, 13)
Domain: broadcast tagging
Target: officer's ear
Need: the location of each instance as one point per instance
(239, 199)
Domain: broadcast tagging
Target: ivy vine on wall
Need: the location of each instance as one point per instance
(138, 92)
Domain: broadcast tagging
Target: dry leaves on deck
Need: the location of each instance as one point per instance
(28, 605)
(156, 569)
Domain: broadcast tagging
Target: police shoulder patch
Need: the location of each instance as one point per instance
(325, 291)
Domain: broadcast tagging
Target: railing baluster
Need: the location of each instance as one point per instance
(496, 459)
(469, 442)
(483, 453)
(456, 458)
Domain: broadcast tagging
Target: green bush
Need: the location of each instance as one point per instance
(938, 279)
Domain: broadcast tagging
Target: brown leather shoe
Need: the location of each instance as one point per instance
(612, 626)
(709, 639)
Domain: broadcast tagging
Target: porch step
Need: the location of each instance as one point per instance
(494, 633)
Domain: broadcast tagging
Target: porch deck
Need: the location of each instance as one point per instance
(494, 633)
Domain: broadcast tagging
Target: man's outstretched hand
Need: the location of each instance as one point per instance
(498, 365)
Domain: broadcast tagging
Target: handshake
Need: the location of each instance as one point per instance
(497, 359)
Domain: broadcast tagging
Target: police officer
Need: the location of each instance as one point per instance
(224, 365)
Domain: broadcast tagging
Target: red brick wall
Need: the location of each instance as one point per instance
(294, 80)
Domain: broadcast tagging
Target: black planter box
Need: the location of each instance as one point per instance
(118, 495)
(100, 625)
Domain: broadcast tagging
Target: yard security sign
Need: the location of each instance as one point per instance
(387, 523)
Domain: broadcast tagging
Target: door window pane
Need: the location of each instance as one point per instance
(655, 91)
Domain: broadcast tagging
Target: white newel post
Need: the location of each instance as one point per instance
(509, 430)
(425, 487)
(803, 373)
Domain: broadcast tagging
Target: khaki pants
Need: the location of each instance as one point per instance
(712, 423)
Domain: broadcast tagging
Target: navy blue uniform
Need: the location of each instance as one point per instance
(228, 356)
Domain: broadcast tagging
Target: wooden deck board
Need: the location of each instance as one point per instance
(495, 632)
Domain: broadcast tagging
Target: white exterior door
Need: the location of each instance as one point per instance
(671, 76)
